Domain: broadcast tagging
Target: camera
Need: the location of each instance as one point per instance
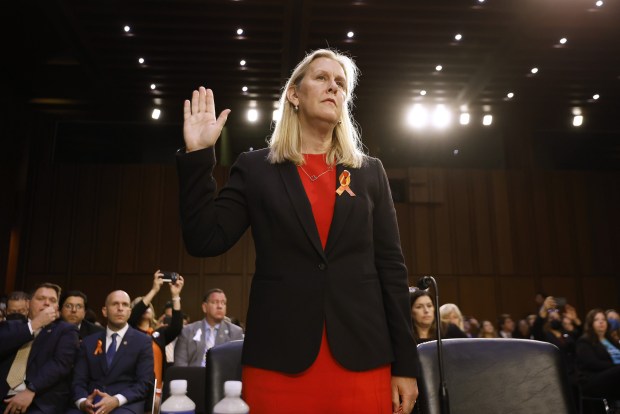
(170, 277)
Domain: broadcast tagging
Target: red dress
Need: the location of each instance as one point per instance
(325, 387)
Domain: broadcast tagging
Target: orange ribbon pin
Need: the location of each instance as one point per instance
(99, 349)
(345, 180)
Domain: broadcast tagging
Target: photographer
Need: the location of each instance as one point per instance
(142, 318)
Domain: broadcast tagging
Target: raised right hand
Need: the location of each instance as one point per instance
(201, 129)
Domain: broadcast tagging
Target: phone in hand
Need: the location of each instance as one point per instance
(560, 302)
(169, 277)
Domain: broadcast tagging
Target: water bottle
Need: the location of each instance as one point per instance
(178, 402)
(232, 402)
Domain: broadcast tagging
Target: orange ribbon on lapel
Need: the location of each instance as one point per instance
(99, 349)
(345, 180)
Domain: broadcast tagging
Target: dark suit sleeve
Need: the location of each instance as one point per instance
(211, 225)
(81, 374)
(144, 372)
(589, 359)
(390, 265)
(13, 334)
(181, 356)
(59, 365)
(175, 327)
(136, 313)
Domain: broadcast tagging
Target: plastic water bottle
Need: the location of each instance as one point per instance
(178, 402)
(232, 402)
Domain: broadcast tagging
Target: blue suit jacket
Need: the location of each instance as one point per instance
(49, 363)
(131, 372)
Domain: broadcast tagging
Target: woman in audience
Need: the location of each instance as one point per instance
(450, 313)
(423, 317)
(143, 318)
(613, 319)
(487, 330)
(523, 331)
(598, 358)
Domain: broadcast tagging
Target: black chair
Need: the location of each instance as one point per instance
(195, 377)
(495, 376)
(223, 364)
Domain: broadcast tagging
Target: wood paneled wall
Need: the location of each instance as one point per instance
(492, 238)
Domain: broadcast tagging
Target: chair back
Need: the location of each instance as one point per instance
(495, 376)
(223, 364)
(195, 377)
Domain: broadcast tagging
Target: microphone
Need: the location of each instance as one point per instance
(424, 283)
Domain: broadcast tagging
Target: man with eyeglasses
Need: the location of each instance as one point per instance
(214, 329)
(73, 309)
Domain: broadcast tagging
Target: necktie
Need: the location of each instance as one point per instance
(17, 372)
(211, 338)
(109, 355)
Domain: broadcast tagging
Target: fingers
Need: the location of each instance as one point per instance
(395, 400)
(195, 98)
(187, 111)
(221, 120)
(208, 104)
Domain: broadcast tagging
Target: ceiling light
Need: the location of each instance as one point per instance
(596, 96)
(156, 113)
(458, 37)
(480, 1)
(534, 70)
(578, 120)
(244, 89)
(127, 29)
(141, 60)
(464, 118)
(510, 95)
(242, 62)
(239, 31)
(487, 120)
(438, 68)
(350, 34)
(252, 115)
(417, 116)
(441, 116)
(153, 86)
(276, 115)
(455, 152)
(563, 41)
(599, 3)
(422, 92)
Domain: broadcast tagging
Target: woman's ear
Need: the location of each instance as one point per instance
(291, 95)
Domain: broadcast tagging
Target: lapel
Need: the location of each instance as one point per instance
(122, 348)
(301, 204)
(342, 208)
(222, 333)
(40, 339)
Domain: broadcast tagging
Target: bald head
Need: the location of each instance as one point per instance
(117, 309)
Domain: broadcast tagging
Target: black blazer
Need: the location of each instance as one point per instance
(592, 358)
(356, 287)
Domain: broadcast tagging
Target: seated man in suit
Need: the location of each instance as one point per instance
(36, 357)
(73, 310)
(17, 305)
(114, 369)
(198, 337)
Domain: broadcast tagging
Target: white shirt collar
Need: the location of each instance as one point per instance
(121, 332)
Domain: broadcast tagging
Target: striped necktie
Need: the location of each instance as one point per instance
(17, 372)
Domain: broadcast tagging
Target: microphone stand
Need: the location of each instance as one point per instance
(444, 399)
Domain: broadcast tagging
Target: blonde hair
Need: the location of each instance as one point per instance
(449, 308)
(285, 141)
(152, 321)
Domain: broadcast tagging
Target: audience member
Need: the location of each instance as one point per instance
(524, 330)
(198, 337)
(471, 327)
(17, 306)
(423, 318)
(613, 319)
(36, 357)
(598, 358)
(73, 310)
(143, 318)
(487, 330)
(450, 313)
(114, 368)
(506, 325)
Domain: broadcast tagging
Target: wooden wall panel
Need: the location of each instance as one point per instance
(129, 201)
(562, 286)
(542, 221)
(522, 217)
(422, 246)
(516, 296)
(600, 292)
(463, 229)
(503, 229)
(62, 217)
(39, 225)
(170, 240)
(563, 216)
(405, 233)
(601, 190)
(108, 209)
(478, 298)
(149, 220)
(581, 229)
(442, 227)
(485, 249)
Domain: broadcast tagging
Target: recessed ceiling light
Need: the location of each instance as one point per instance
(156, 113)
(487, 120)
(252, 115)
(596, 96)
(127, 29)
(242, 62)
(534, 70)
(563, 41)
(422, 92)
(510, 95)
(455, 152)
(464, 118)
(480, 1)
(239, 31)
(350, 34)
(578, 120)
(599, 3)
(458, 37)
(244, 89)
(153, 86)
(141, 60)
(438, 68)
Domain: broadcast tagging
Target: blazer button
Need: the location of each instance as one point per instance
(322, 266)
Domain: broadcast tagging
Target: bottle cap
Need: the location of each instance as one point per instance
(232, 388)
(178, 386)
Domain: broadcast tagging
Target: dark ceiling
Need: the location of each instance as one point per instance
(71, 59)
